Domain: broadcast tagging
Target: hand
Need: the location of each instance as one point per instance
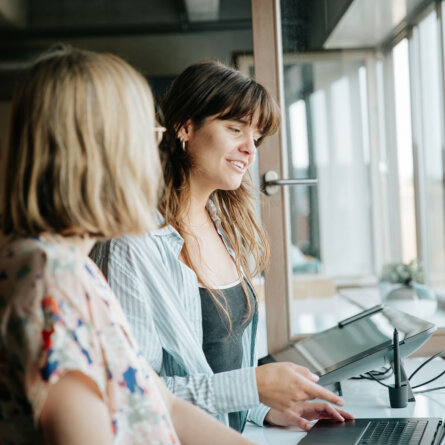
(282, 385)
(302, 414)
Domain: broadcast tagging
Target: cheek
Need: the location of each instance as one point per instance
(204, 161)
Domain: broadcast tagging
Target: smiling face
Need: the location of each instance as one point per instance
(221, 152)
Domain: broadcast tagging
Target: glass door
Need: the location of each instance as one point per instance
(316, 232)
(327, 134)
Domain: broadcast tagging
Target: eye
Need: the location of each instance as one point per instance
(235, 130)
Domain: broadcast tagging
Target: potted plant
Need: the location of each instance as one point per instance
(402, 286)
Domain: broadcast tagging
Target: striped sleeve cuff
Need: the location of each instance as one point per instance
(235, 390)
(257, 415)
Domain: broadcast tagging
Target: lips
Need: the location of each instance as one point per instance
(239, 164)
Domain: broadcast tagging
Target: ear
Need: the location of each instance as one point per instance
(186, 131)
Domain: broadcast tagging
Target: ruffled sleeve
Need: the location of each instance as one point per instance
(49, 332)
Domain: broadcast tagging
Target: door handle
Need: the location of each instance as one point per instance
(271, 182)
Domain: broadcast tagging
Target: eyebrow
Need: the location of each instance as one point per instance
(244, 122)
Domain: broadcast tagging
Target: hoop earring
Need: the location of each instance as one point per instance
(183, 145)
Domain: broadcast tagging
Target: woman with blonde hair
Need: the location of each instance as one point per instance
(82, 165)
(187, 287)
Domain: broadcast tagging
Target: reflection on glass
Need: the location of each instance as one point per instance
(298, 130)
(327, 133)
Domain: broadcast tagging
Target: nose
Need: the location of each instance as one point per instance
(249, 146)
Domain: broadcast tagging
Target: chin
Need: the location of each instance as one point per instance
(231, 187)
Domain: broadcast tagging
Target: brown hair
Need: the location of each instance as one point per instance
(212, 89)
(82, 156)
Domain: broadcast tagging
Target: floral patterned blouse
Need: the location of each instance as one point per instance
(58, 314)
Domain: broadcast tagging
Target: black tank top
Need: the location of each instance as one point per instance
(223, 348)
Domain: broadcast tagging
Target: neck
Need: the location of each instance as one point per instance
(86, 244)
(197, 212)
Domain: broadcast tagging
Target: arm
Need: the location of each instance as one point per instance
(74, 413)
(194, 427)
(218, 393)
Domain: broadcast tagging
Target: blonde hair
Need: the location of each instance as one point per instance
(82, 156)
(212, 89)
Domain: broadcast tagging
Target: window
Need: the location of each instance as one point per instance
(369, 124)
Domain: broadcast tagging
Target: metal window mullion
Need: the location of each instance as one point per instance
(417, 125)
(442, 83)
(375, 185)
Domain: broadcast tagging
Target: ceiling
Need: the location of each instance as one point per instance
(141, 31)
(37, 18)
(307, 24)
(369, 23)
(144, 31)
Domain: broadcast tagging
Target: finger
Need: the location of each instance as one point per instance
(305, 372)
(323, 411)
(331, 413)
(317, 391)
(345, 414)
(304, 424)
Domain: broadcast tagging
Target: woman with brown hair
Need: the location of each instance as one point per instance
(82, 165)
(187, 287)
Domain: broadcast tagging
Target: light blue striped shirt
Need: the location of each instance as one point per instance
(160, 297)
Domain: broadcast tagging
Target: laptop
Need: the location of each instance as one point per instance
(384, 431)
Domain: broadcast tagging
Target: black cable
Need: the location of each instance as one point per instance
(429, 381)
(424, 363)
(384, 374)
(429, 390)
(381, 372)
(377, 380)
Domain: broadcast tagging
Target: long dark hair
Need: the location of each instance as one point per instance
(213, 89)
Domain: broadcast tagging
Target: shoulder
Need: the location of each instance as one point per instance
(32, 261)
(32, 270)
(40, 284)
(20, 258)
(23, 276)
(132, 250)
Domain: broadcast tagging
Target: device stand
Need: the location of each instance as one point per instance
(405, 381)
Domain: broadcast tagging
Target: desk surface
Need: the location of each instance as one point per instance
(364, 398)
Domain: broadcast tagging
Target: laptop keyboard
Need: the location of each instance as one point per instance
(404, 432)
